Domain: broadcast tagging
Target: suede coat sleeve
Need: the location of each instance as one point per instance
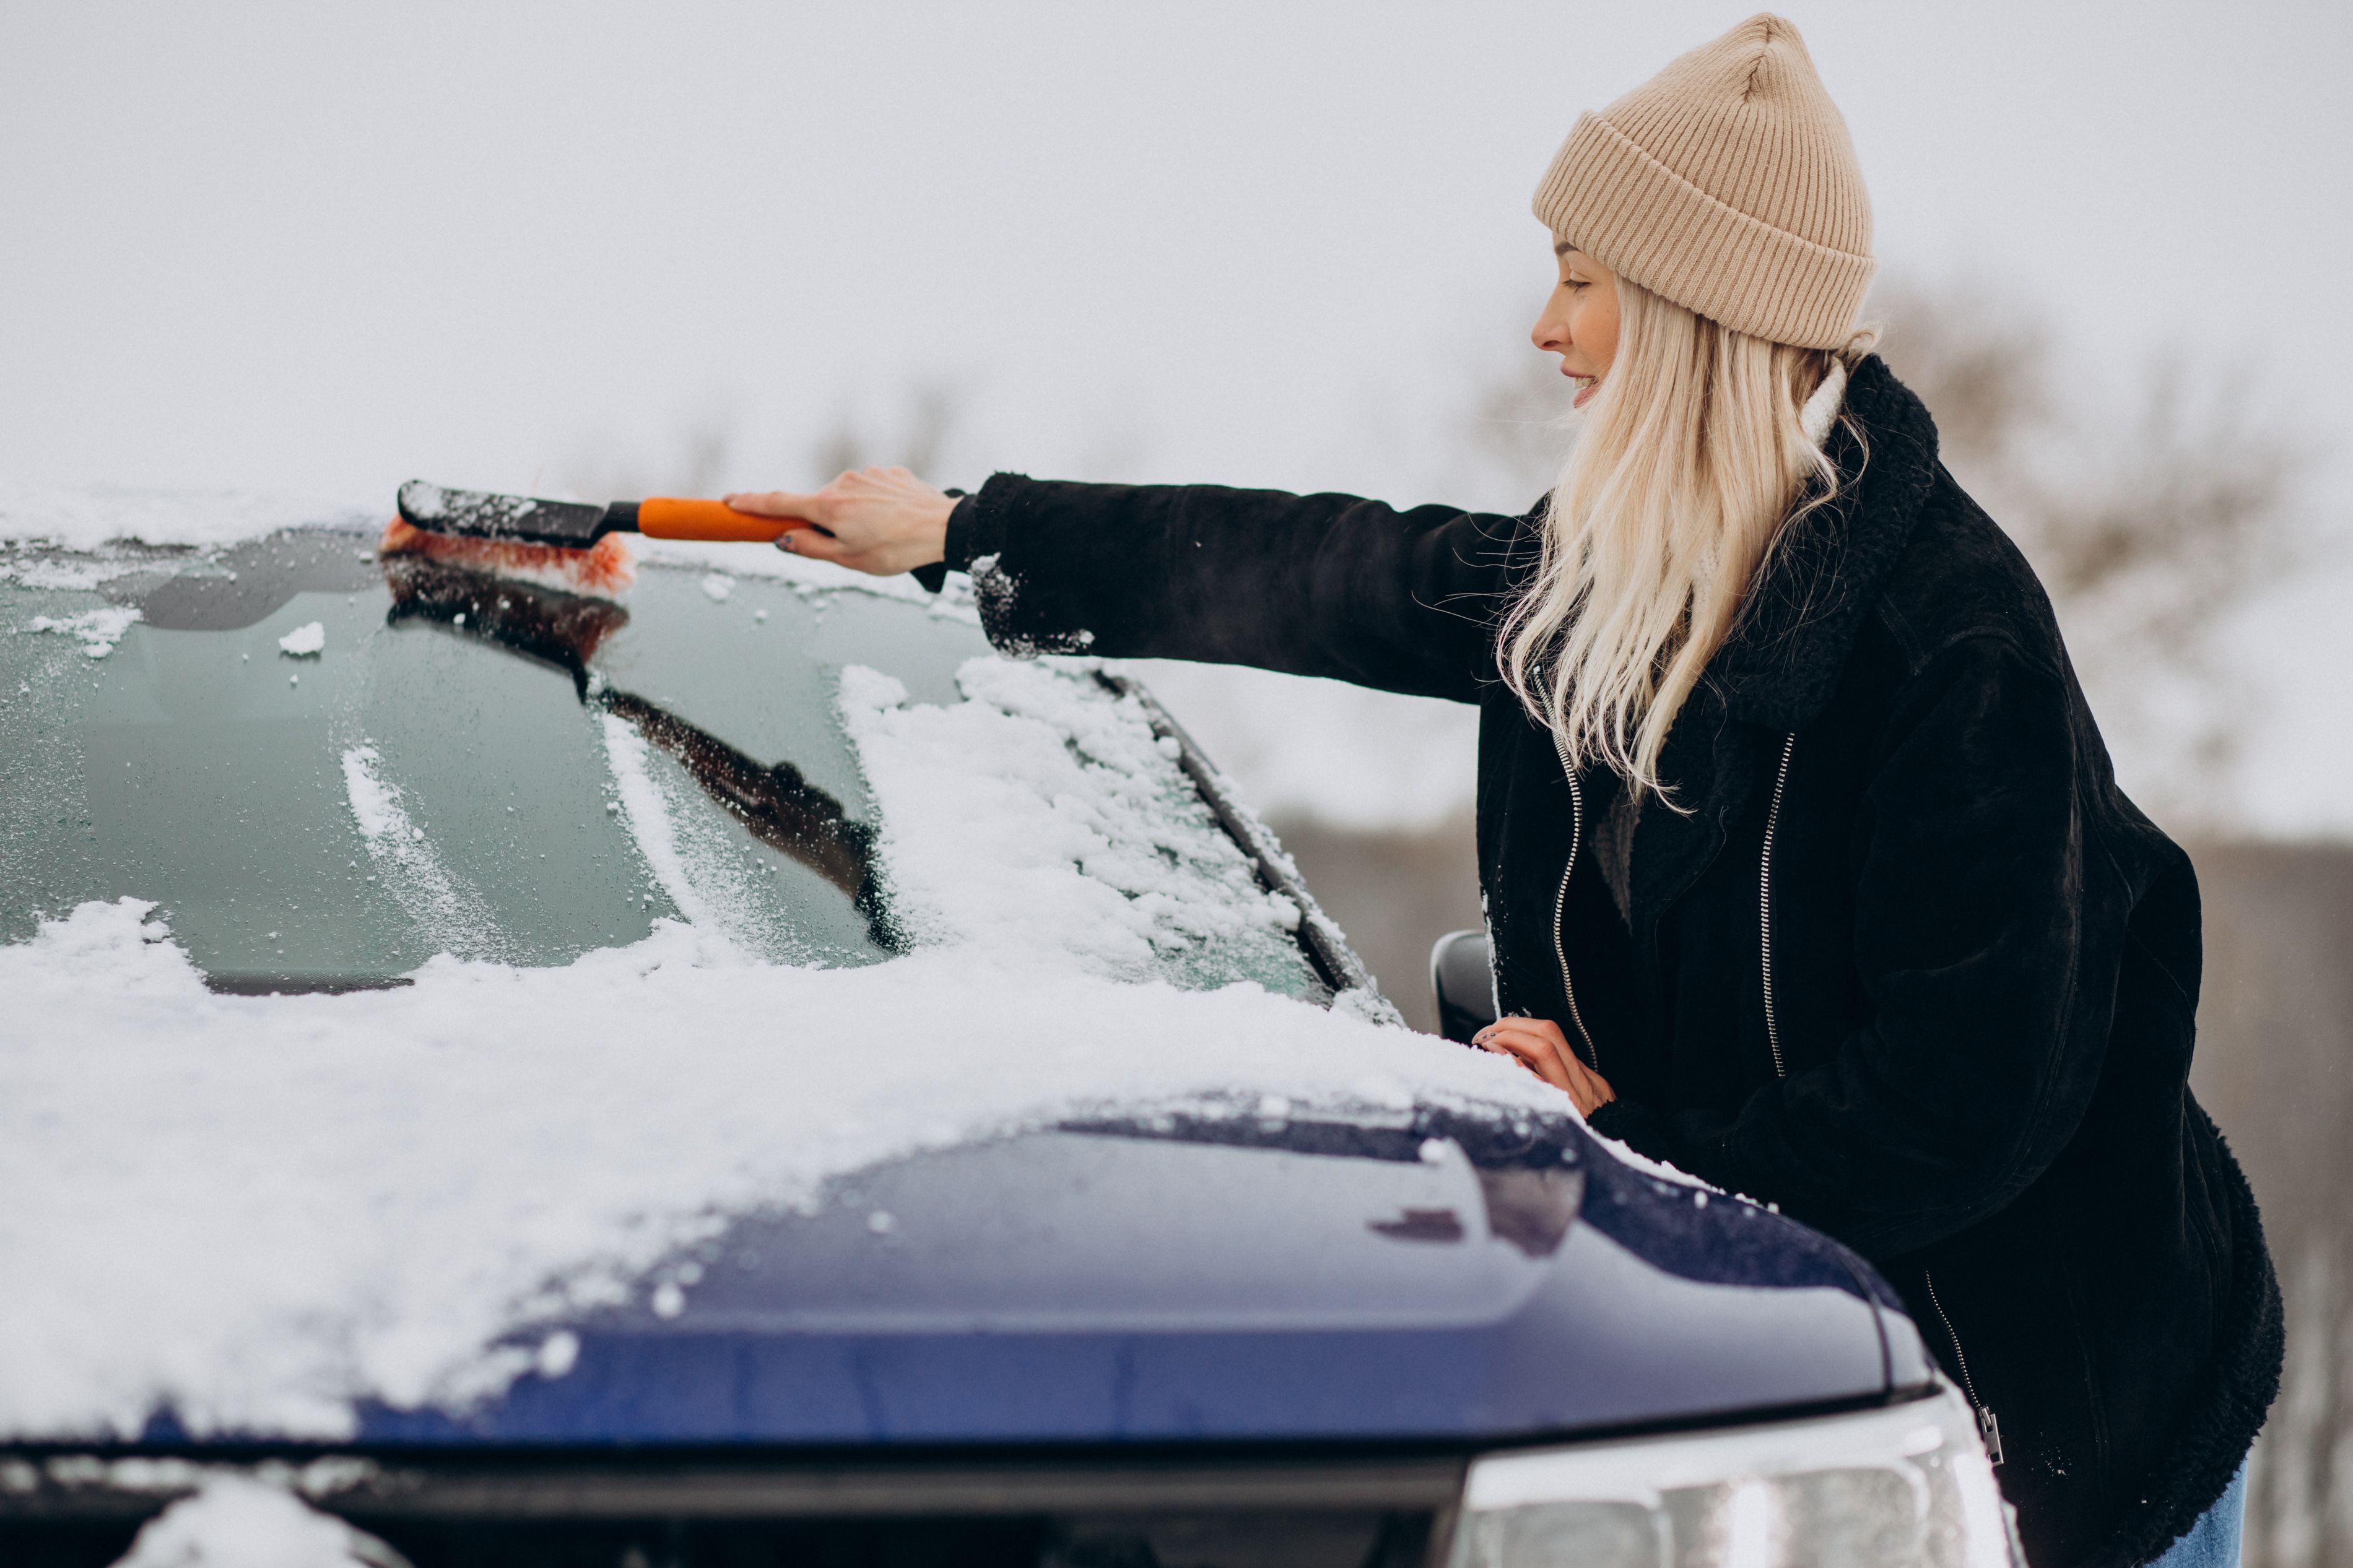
(1981, 1056)
(1320, 585)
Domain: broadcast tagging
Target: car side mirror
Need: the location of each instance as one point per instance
(1462, 973)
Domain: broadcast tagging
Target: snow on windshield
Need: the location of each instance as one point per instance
(97, 630)
(306, 641)
(1043, 814)
(254, 1211)
(723, 561)
(443, 906)
(690, 851)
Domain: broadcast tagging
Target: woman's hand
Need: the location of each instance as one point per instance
(1539, 1046)
(881, 520)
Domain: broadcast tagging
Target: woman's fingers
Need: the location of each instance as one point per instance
(1528, 1047)
(1538, 1032)
(813, 542)
(874, 520)
(1531, 1056)
(1538, 1045)
(775, 503)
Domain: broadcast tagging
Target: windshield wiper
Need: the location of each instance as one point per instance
(780, 806)
(775, 802)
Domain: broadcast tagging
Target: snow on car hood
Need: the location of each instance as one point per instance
(254, 1211)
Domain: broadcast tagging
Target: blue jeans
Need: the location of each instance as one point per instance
(2213, 1541)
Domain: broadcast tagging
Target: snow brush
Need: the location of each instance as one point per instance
(571, 545)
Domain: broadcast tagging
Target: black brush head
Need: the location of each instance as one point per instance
(477, 514)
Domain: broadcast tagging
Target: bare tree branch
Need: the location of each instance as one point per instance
(921, 444)
(2151, 530)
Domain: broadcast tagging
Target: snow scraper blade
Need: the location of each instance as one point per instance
(577, 525)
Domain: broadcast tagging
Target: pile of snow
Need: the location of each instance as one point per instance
(257, 1209)
(235, 1521)
(1043, 815)
(92, 517)
(306, 641)
(33, 566)
(97, 630)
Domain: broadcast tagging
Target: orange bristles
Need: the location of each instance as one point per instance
(603, 571)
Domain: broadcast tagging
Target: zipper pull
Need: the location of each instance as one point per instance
(1990, 1428)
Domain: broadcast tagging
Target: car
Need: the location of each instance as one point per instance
(740, 1072)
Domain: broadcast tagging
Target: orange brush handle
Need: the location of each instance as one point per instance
(674, 517)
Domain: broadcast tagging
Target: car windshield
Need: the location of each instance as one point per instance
(325, 768)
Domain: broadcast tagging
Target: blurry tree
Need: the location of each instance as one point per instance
(919, 444)
(1518, 428)
(704, 470)
(704, 461)
(2275, 1067)
(698, 465)
(2151, 526)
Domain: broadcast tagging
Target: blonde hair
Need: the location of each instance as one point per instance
(1682, 477)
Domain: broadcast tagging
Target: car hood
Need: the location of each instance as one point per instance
(1236, 1279)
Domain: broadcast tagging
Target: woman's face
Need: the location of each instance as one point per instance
(1580, 319)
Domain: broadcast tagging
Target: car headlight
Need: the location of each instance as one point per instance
(1882, 1489)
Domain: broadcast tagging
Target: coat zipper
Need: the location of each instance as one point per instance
(1764, 902)
(1988, 1427)
(1560, 901)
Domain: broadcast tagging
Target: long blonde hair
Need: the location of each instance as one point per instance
(1687, 466)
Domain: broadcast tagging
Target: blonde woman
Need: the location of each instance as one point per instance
(1804, 865)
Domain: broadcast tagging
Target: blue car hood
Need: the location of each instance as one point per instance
(1218, 1281)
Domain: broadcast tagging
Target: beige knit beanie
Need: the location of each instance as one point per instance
(1727, 184)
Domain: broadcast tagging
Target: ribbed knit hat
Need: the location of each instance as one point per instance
(1727, 184)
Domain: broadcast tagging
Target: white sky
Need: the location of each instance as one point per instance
(323, 249)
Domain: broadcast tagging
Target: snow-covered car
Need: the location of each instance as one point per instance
(740, 1072)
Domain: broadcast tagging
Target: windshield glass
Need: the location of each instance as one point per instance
(326, 769)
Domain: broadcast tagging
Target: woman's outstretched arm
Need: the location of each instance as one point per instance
(1323, 584)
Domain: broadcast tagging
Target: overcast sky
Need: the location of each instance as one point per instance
(324, 248)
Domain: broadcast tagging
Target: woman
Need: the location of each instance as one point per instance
(1805, 867)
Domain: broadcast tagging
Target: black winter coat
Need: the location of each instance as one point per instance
(1911, 966)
